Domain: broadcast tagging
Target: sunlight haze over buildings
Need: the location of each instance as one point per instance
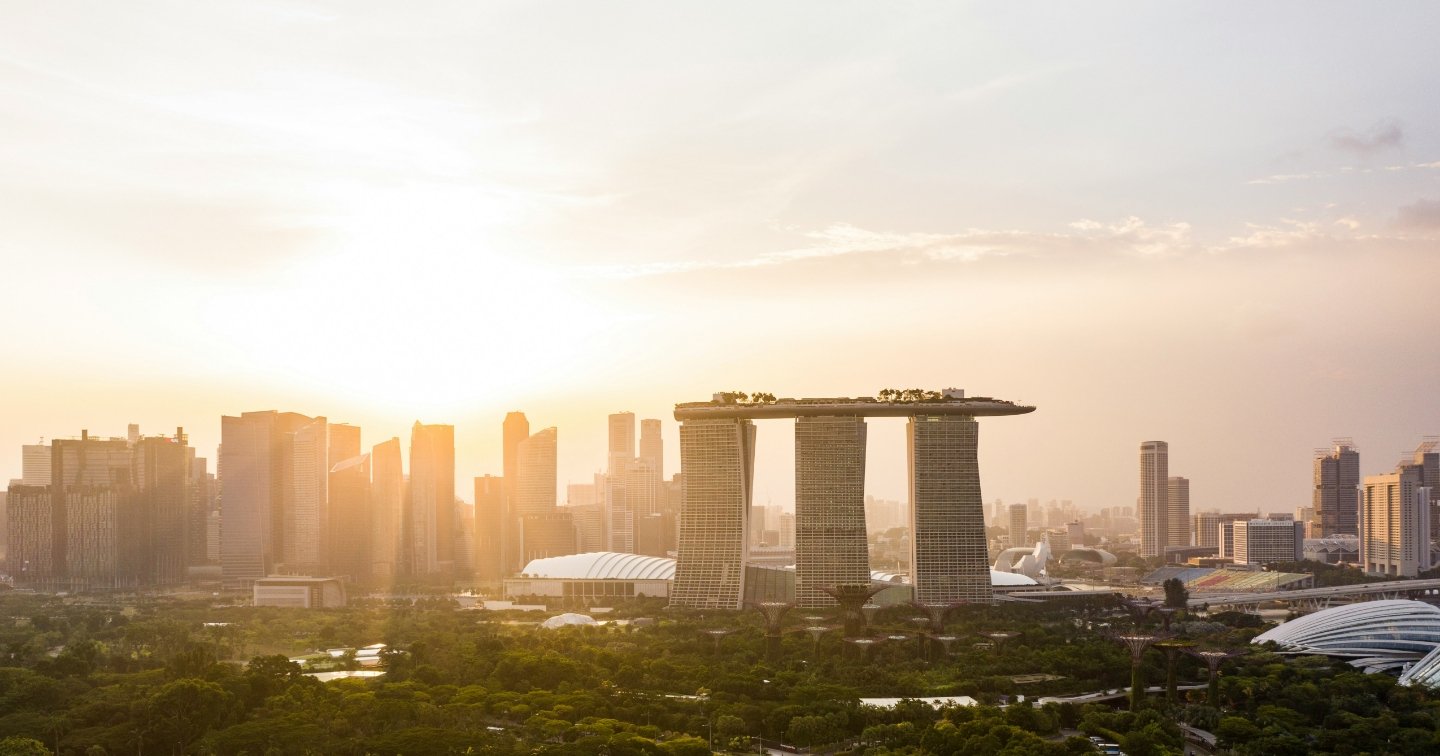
(1153, 221)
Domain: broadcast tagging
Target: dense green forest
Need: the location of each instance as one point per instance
(170, 677)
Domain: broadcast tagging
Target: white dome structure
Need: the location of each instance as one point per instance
(601, 565)
(1373, 635)
(568, 619)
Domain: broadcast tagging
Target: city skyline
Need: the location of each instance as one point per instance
(1194, 248)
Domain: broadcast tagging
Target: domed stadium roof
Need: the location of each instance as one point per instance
(1098, 556)
(602, 565)
(1374, 635)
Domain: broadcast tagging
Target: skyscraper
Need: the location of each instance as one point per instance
(160, 537)
(350, 530)
(254, 459)
(307, 497)
(652, 447)
(718, 457)
(949, 560)
(1337, 490)
(830, 540)
(387, 510)
(432, 499)
(1154, 503)
(516, 429)
(489, 529)
(1178, 494)
(622, 443)
(1018, 526)
(535, 474)
(544, 530)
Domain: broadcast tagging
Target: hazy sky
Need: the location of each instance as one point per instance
(1216, 224)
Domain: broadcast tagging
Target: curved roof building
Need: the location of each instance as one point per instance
(1373, 635)
(601, 565)
(609, 565)
(1424, 673)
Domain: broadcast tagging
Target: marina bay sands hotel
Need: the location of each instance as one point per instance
(948, 558)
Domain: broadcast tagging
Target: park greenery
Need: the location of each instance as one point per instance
(194, 677)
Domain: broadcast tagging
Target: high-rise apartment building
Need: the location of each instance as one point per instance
(113, 516)
(830, 541)
(387, 510)
(1154, 502)
(1178, 498)
(1336, 496)
(1018, 528)
(432, 500)
(1395, 522)
(948, 555)
(1268, 541)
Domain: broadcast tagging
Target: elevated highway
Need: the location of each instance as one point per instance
(1319, 598)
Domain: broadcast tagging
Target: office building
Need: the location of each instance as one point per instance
(489, 529)
(1267, 541)
(589, 527)
(1206, 526)
(254, 456)
(1178, 497)
(1395, 522)
(307, 499)
(351, 528)
(387, 510)
(1336, 496)
(1226, 532)
(35, 465)
(432, 500)
(515, 430)
(622, 443)
(1019, 526)
(652, 447)
(1154, 504)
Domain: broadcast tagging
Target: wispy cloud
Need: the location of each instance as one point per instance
(1384, 135)
(1284, 178)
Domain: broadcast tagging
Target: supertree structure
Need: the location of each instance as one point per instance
(816, 631)
(853, 599)
(866, 645)
(1213, 658)
(1172, 648)
(774, 614)
(717, 635)
(1137, 643)
(1000, 637)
